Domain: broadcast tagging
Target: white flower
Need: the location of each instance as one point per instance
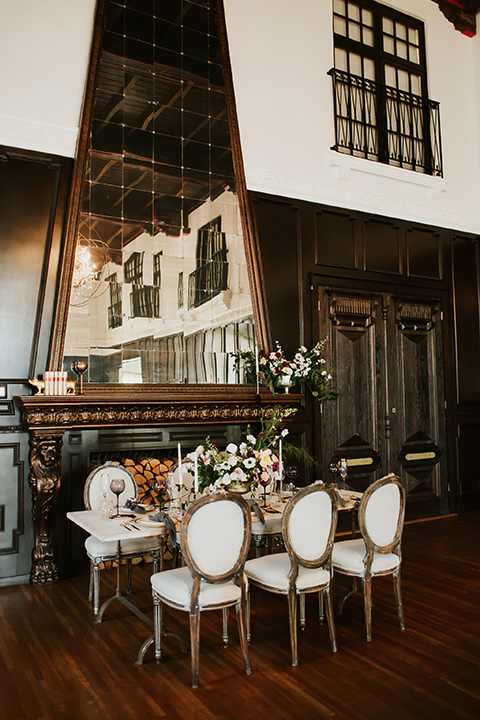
(251, 439)
(284, 432)
(231, 448)
(249, 462)
(322, 360)
(232, 460)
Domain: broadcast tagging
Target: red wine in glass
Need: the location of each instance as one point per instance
(264, 484)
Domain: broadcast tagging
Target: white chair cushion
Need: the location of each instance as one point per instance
(272, 571)
(99, 549)
(215, 536)
(381, 514)
(348, 556)
(175, 586)
(271, 527)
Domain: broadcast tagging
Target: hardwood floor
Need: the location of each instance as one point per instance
(55, 663)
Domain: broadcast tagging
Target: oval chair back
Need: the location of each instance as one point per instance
(381, 515)
(215, 537)
(309, 525)
(92, 496)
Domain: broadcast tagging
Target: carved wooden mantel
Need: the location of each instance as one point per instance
(47, 417)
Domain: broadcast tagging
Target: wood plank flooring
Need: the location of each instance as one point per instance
(55, 663)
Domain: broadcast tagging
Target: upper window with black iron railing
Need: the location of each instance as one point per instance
(211, 274)
(381, 104)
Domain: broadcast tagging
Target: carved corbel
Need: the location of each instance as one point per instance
(44, 480)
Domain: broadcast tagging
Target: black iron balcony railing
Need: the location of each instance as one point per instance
(145, 301)
(381, 123)
(208, 280)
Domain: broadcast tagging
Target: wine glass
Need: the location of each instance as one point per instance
(79, 367)
(104, 489)
(117, 486)
(343, 469)
(264, 483)
(333, 467)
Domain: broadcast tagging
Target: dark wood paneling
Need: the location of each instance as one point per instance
(423, 253)
(278, 230)
(33, 196)
(467, 319)
(382, 241)
(336, 239)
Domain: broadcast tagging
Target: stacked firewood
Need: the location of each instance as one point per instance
(151, 477)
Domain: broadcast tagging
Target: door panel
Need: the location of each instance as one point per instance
(386, 353)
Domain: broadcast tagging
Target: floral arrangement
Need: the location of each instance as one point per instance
(252, 461)
(307, 367)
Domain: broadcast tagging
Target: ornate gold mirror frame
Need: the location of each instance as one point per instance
(59, 330)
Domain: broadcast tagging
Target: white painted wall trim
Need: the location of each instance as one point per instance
(29, 135)
(427, 209)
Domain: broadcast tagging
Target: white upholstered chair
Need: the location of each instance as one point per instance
(214, 540)
(378, 551)
(308, 528)
(99, 551)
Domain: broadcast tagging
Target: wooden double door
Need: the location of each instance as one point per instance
(386, 351)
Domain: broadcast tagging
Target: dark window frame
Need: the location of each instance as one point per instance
(373, 100)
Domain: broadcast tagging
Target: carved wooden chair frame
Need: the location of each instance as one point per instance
(156, 552)
(297, 561)
(236, 573)
(371, 548)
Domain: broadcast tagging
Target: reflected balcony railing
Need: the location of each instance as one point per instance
(381, 123)
(208, 280)
(115, 315)
(145, 301)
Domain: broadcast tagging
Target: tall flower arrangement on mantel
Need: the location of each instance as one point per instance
(307, 367)
(241, 467)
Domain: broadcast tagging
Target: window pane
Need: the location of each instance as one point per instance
(353, 12)
(339, 6)
(387, 25)
(339, 26)
(354, 32)
(355, 64)
(367, 18)
(401, 49)
(413, 54)
(403, 83)
(368, 37)
(341, 59)
(413, 36)
(401, 31)
(416, 84)
(368, 69)
(390, 76)
(388, 44)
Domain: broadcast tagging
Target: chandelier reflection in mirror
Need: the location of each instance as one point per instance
(166, 293)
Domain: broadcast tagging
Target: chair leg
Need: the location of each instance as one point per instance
(241, 611)
(330, 618)
(96, 588)
(321, 610)
(398, 597)
(90, 586)
(195, 644)
(345, 597)
(157, 561)
(247, 623)
(175, 555)
(302, 611)
(157, 626)
(367, 603)
(225, 626)
(292, 618)
(129, 575)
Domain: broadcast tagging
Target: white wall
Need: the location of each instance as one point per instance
(44, 54)
(280, 53)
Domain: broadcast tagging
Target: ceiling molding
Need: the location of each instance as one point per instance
(462, 14)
